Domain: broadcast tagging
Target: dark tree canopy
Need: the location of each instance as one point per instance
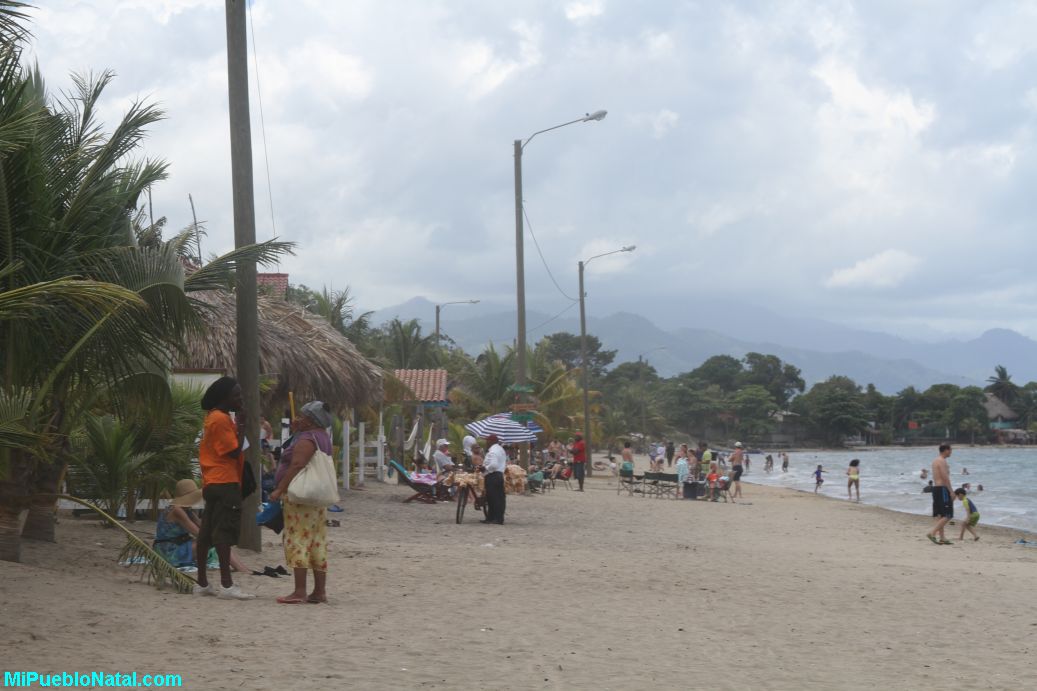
(565, 348)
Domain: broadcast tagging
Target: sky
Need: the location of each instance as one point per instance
(868, 163)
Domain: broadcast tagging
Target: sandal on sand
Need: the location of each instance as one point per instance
(975, 539)
(932, 539)
(281, 570)
(945, 542)
(291, 600)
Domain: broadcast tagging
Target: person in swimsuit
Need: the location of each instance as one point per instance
(971, 513)
(943, 500)
(854, 481)
(818, 480)
(784, 462)
(736, 469)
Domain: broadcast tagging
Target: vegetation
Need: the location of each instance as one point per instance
(93, 302)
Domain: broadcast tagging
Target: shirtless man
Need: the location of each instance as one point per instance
(943, 497)
(736, 468)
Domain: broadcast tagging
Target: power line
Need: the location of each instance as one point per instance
(262, 122)
(545, 323)
(542, 259)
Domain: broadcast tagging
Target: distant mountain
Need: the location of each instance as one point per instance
(820, 349)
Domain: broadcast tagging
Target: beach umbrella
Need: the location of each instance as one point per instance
(506, 429)
(531, 425)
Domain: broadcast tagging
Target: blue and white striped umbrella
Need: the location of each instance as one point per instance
(531, 425)
(506, 429)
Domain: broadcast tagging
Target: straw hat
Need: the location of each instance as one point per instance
(186, 494)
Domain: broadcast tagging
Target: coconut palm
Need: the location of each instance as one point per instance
(1001, 385)
(68, 194)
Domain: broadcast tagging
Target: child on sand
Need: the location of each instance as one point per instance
(818, 479)
(711, 479)
(853, 473)
(971, 513)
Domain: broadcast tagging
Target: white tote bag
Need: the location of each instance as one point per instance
(316, 484)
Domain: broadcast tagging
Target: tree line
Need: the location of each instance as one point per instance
(724, 398)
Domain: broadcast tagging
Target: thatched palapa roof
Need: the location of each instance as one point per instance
(302, 352)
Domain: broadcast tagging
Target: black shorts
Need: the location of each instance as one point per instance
(943, 503)
(736, 473)
(221, 522)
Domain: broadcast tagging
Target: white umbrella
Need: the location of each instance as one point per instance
(506, 429)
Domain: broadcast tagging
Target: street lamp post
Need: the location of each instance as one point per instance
(441, 306)
(583, 357)
(641, 361)
(520, 273)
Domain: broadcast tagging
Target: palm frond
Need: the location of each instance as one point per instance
(153, 567)
(218, 274)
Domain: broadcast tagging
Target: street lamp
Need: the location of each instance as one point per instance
(441, 306)
(520, 273)
(583, 355)
(641, 361)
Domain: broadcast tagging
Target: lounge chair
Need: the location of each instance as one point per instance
(629, 481)
(422, 492)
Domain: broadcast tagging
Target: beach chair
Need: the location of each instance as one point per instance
(424, 493)
(722, 491)
(668, 486)
(650, 484)
(629, 481)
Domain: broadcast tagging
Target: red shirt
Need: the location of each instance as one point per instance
(579, 454)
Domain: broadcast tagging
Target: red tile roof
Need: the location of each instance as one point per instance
(427, 385)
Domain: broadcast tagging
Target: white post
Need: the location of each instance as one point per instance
(381, 448)
(345, 454)
(360, 455)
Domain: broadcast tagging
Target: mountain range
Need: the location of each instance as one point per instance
(819, 348)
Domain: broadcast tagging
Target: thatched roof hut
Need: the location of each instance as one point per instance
(302, 353)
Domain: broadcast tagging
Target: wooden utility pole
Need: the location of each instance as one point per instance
(244, 234)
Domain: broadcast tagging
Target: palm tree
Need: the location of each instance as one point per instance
(485, 384)
(1001, 386)
(404, 347)
(112, 301)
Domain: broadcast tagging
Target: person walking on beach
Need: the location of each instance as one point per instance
(493, 476)
(943, 500)
(579, 456)
(971, 512)
(737, 457)
(818, 480)
(853, 474)
(221, 459)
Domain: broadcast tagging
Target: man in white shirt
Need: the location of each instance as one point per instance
(493, 476)
(444, 463)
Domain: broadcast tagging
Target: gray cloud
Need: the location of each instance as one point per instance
(752, 150)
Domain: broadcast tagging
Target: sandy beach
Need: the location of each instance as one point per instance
(784, 590)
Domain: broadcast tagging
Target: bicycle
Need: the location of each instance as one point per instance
(469, 487)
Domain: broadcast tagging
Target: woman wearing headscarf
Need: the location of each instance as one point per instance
(305, 528)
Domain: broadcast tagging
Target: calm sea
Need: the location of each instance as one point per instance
(890, 478)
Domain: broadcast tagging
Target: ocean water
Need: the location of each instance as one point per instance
(890, 479)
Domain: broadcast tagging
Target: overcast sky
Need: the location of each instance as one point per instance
(870, 163)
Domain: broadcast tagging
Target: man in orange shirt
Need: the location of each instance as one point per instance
(221, 458)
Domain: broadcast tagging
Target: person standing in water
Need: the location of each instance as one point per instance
(784, 462)
(853, 473)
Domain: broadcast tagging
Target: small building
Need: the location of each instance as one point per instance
(999, 415)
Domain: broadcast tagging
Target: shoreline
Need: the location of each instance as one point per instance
(997, 529)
